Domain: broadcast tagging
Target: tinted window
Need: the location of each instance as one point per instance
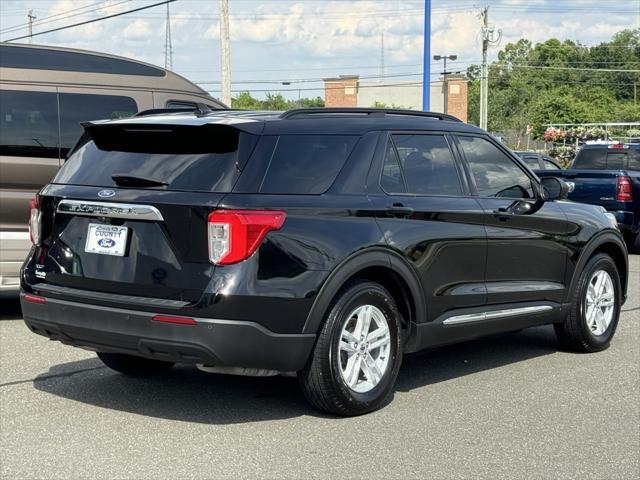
(306, 164)
(532, 162)
(616, 160)
(47, 59)
(549, 165)
(391, 179)
(180, 104)
(428, 165)
(634, 160)
(80, 107)
(204, 158)
(496, 175)
(29, 124)
(608, 159)
(594, 158)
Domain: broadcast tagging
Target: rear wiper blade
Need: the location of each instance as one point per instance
(126, 180)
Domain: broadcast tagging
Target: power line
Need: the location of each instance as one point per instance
(91, 21)
(63, 15)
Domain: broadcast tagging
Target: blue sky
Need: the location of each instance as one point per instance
(303, 41)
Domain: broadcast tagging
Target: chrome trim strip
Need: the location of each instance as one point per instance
(492, 315)
(110, 210)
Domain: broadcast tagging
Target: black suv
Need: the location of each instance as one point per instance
(321, 242)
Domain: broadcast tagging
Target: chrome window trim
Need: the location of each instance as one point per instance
(110, 210)
(492, 315)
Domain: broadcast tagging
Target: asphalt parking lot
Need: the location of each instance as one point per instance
(509, 406)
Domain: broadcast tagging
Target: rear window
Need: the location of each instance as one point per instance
(608, 159)
(306, 164)
(207, 158)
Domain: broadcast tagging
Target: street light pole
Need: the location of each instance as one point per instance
(444, 78)
(426, 61)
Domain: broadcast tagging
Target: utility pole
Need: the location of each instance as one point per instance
(381, 56)
(488, 38)
(168, 47)
(225, 69)
(31, 17)
(426, 62)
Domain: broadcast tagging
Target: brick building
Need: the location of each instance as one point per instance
(350, 91)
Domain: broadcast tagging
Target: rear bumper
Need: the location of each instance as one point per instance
(626, 221)
(14, 248)
(209, 341)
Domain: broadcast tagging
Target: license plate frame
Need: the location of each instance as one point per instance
(106, 239)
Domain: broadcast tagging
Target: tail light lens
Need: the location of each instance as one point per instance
(624, 192)
(35, 221)
(234, 235)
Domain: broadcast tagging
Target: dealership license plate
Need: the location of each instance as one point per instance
(106, 239)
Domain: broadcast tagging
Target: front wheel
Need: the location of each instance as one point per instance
(132, 365)
(355, 362)
(595, 309)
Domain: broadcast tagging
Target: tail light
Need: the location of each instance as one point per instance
(624, 192)
(35, 221)
(234, 235)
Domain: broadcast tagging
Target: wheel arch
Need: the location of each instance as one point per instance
(382, 266)
(613, 245)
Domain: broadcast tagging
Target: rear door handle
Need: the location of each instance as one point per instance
(399, 210)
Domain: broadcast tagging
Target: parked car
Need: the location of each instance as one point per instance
(538, 161)
(45, 92)
(608, 175)
(321, 242)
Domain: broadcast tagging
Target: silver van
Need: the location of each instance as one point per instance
(45, 92)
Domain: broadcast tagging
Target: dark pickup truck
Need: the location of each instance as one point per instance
(607, 175)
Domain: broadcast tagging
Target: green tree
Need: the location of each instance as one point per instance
(273, 101)
(555, 81)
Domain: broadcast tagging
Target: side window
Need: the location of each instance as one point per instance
(306, 164)
(427, 164)
(29, 124)
(532, 162)
(496, 175)
(549, 165)
(180, 104)
(391, 180)
(82, 107)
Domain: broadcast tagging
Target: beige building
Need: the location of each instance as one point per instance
(350, 91)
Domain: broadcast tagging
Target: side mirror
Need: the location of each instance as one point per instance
(554, 188)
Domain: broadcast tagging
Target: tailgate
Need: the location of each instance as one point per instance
(156, 249)
(596, 187)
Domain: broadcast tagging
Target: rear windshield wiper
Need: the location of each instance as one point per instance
(125, 180)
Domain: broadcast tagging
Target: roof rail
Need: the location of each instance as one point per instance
(372, 112)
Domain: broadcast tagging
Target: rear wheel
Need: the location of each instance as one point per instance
(132, 365)
(593, 318)
(355, 363)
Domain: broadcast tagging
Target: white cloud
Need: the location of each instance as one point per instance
(137, 30)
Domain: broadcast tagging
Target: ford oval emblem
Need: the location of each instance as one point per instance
(106, 242)
(106, 193)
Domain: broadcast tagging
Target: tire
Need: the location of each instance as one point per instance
(579, 332)
(134, 366)
(327, 380)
